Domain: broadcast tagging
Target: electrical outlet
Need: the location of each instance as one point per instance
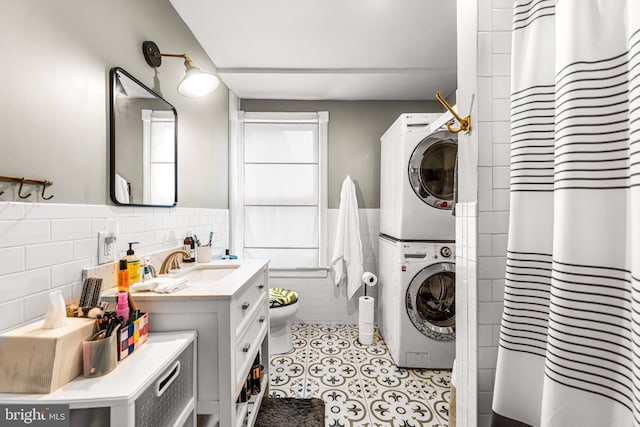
(106, 247)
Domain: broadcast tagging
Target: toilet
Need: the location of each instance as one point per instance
(283, 305)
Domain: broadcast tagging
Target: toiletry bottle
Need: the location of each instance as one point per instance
(190, 246)
(123, 276)
(133, 264)
(147, 269)
(227, 256)
(122, 309)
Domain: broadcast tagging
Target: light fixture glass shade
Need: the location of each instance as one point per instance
(197, 83)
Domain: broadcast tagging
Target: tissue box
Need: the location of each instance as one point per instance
(37, 360)
(133, 336)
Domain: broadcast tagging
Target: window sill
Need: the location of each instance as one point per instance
(311, 272)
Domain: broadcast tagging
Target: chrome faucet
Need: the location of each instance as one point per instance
(171, 263)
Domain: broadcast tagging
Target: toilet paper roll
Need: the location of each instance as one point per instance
(365, 320)
(369, 278)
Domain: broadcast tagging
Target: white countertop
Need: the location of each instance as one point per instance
(243, 271)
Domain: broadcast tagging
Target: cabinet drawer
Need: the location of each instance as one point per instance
(165, 399)
(244, 302)
(249, 343)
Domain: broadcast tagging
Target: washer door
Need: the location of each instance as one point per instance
(432, 169)
(430, 301)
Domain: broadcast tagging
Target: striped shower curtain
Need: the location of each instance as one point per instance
(570, 337)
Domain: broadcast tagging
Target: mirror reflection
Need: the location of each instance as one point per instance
(143, 144)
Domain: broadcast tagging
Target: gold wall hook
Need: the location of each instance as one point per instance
(22, 181)
(46, 183)
(20, 190)
(465, 123)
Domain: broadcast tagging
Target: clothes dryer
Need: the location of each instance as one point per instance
(417, 173)
(416, 307)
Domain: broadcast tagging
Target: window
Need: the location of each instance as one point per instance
(280, 200)
(158, 157)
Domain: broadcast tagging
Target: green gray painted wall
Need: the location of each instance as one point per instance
(54, 103)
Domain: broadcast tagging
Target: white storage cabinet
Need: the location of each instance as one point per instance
(153, 387)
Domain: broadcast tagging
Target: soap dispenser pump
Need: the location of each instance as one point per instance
(133, 265)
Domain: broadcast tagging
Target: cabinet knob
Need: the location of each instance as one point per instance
(261, 319)
(260, 286)
(245, 305)
(246, 347)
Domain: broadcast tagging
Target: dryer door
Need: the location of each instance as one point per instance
(432, 169)
(430, 301)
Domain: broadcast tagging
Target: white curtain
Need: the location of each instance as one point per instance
(570, 338)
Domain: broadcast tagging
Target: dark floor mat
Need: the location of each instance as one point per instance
(289, 411)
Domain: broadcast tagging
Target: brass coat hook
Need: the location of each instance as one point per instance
(46, 183)
(20, 190)
(22, 181)
(465, 124)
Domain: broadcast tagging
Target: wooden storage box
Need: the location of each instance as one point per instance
(37, 360)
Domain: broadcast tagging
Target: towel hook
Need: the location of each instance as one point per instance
(45, 183)
(20, 190)
(465, 124)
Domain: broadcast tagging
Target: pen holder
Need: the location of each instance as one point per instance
(132, 335)
(99, 357)
(204, 254)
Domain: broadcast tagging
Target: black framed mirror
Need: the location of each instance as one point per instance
(143, 134)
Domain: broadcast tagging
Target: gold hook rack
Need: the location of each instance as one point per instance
(45, 183)
(465, 123)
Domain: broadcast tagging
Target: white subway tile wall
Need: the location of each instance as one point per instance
(485, 148)
(320, 300)
(46, 246)
(484, 62)
(501, 64)
(467, 296)
(493, 197)
(484, 15)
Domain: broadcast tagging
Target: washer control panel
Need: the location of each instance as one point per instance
(419, 252)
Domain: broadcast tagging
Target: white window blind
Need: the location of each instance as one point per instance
(282, 162)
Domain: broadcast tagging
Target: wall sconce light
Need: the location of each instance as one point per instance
(195, 82)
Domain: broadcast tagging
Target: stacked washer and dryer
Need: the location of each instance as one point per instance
(416, 307)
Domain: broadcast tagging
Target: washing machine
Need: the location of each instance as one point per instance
(416, 304)
(417, 178)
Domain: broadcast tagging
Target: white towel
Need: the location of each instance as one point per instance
(162, 285)
(122, 189)
(347, 250)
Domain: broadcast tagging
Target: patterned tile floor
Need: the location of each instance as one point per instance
(360, 385)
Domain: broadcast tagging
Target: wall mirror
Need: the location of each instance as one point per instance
(143, 136)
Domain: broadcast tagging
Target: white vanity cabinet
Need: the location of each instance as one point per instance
(231, 316)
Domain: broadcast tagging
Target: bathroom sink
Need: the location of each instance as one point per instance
(209, 273)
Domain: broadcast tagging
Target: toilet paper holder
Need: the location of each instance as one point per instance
(366, 315)
(369, 279)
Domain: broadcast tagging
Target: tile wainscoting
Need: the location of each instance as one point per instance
(46, 246)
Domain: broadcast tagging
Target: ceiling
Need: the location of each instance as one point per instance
(328, 49)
